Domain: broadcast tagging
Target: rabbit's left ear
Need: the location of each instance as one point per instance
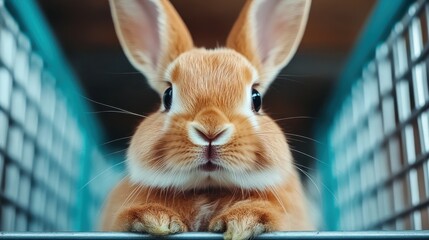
(152, 35)
(268, 33)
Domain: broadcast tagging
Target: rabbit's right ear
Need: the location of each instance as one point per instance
(267, 33)
(152, 35)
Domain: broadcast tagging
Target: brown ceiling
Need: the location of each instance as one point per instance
(85, 31)
(333, 24)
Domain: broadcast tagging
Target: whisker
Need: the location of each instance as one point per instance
(123, 73)
(115, 152)
(125, 202)
(120, 109)
(323, 185)
(295, 140)
(267, 134)
(113, 111)
(115, 140)
(131, 196)
(283, 119)
(301, 136)
(303, 166)
(99, 174)
(140, 189)
(306, 174)
(329, 190)
(308, 155)
(295, 75)
(276, 196)
(292, 118)
(149, 191)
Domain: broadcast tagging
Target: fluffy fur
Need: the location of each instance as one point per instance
(251, 186)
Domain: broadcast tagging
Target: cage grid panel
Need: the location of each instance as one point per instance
(43, 141)
(380, 134)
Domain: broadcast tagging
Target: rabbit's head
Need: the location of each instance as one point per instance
(210, 130)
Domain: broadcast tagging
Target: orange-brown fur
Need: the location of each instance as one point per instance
(255, 188)
(240, 37)
(265, 207)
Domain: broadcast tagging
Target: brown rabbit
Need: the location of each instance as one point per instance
(209, 159)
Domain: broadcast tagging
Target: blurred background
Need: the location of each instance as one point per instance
(353, 104)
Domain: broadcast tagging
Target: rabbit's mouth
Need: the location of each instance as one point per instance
(211, 155)
(209, 166)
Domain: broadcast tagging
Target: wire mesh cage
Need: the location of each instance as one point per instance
(47, 150)
(378, 139)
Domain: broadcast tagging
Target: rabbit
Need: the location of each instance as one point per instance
(209, 159)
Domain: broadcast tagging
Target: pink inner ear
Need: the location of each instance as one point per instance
(144, 27)
(276, 24)
(264, 28)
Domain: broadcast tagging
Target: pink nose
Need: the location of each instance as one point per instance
(209, 137)
(200, 136)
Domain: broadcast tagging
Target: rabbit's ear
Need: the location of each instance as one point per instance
(268, 32)
(151, 33)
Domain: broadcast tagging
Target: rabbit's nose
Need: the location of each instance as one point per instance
(199, 135)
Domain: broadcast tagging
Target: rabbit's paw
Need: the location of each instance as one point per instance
(242, 223)
(154, 219)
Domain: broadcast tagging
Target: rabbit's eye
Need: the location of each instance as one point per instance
(257, 100)
(168, 96)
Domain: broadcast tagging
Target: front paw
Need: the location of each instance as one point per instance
(154, 219)
(242, 223)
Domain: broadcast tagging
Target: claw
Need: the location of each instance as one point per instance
(153, 219)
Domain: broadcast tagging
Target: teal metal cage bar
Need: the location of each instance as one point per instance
(48, 142)
(375, 126)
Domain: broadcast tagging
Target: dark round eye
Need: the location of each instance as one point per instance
(168, 96)
(257, 100)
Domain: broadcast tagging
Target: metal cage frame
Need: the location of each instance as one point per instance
(48, 157)
(377, 128)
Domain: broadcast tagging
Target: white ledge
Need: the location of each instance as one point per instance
(332, 235)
